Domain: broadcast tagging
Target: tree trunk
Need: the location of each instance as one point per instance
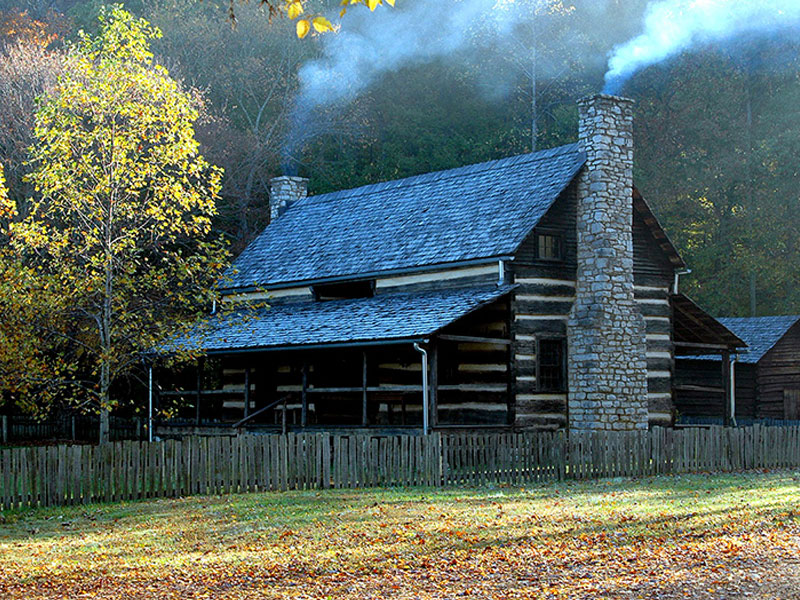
(105, 436)
(105, 387)
(106, 327)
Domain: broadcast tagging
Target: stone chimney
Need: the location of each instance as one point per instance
(607, 353)
(284, 191)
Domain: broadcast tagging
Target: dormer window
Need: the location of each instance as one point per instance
(549, 246)
(344, 290)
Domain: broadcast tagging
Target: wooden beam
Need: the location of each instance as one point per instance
(700, 388)
(364, 416)
(475, 339)
(495, 388)
(695, 345)
(360, 389)
(229, 392)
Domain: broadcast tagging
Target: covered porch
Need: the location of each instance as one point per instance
(393, 362)
(696, 335)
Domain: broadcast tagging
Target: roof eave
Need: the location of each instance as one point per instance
(226, 291)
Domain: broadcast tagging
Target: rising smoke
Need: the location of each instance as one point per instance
(672, 26)
(372, 44)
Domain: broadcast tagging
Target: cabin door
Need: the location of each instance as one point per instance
(791, 405)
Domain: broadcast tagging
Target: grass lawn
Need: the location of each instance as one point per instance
(700, 536)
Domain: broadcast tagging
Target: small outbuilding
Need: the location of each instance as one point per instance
(766, 375)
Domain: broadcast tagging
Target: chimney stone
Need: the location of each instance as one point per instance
(607, 352)
(283, 192)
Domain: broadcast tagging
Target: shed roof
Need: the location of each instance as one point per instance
(417, 222)
(760, 333)
(390, 317)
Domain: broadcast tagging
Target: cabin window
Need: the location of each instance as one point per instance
(548, 246)
(551, 365)
(344, 290)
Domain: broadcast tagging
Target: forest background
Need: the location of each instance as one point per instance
(434, 84)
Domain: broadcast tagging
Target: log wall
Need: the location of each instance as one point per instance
(779, 378)
(699, 390)
(541, 307)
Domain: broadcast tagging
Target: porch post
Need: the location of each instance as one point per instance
(200, 365)
(247, 392)
(149, 407)
(425, 380)
(304, 397)
(434, 384)
(733, 391)
(728, 409)
(364, 417)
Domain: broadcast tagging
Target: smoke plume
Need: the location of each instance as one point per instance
(672, 26)
(370, 45)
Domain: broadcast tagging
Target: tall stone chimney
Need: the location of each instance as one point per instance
(607, 353)
(284, 191)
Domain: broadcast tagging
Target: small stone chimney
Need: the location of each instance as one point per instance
(607, 352)
(283, 192)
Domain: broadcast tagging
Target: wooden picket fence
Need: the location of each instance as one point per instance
(79, 474)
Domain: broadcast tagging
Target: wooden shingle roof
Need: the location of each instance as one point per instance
(475, 212)
(390, 317)
(760, 333)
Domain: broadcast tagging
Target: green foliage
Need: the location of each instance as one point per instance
(121, 224)
(714, 157)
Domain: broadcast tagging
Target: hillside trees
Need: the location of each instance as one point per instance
(247, 76)
(29, 67)
(715, 137)
(120, 227)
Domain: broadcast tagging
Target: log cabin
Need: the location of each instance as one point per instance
(766, 376)
(536, 291)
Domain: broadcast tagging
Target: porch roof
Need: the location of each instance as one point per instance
(696, 332)
(385, 318)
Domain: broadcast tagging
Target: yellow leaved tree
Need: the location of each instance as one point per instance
(5, 207)
(120, 229)
(307, 22)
